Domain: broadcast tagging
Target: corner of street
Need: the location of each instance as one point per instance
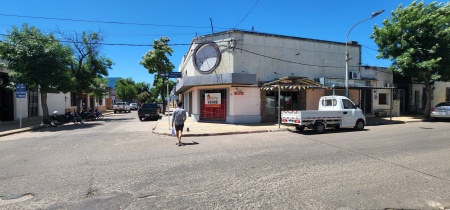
(193, 128)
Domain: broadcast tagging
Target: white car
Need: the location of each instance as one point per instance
(440, 111)
(133, 106)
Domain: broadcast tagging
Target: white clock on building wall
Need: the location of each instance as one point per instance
(206, 57)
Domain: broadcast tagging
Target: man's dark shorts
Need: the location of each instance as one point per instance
(179, 127)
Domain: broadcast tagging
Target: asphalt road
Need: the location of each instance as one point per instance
(117, 163)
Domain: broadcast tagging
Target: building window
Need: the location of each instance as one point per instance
(382, 99)
(73, 99)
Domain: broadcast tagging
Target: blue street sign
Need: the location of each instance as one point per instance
(174, 74)
(21, 91)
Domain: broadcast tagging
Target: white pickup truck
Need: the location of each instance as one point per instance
(121, 107)
(334, 111)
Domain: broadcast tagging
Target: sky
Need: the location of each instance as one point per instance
(130, 27)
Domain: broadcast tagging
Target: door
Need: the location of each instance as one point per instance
(349, 112)
(213, 105)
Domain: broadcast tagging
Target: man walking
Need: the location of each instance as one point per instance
(178, 118)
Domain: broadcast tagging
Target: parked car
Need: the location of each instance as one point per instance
(334, 111)
(133, 106)
(440, 111)
(121, 106)
(148, 110)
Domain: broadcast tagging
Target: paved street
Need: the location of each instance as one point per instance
(118, 163)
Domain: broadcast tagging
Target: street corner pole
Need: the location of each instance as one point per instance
(20, 113)
(168, 111)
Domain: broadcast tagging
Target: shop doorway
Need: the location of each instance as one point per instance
(213, 104)
(6, 99)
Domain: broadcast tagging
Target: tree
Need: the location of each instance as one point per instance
(417, 40)
(98, 89)
(143, 92)
(88, 64)
(38, 60)
(143, 97)
(142, 87)
(126, 89)
(157, 62)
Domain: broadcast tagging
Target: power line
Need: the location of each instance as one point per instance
(112, 44)
(247, 14)
(105, 22)
(293, 62)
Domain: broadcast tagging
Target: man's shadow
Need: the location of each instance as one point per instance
(188, 143)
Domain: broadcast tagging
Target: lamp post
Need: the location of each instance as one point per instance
(346, 48)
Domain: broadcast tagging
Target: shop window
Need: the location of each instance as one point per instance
(213, 104)
(382, 99)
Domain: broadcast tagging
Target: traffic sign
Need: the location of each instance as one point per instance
(21, 91)
(174, 74)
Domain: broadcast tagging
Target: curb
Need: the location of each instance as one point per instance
(21, 130)
(222, 133)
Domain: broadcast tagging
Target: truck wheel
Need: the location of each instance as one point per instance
(300, 128)
(359, 125)
(120, 111)
(140, 119)
(115, 111)
(319, 127)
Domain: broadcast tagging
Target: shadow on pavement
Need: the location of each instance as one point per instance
(67, 127)
(328, 131)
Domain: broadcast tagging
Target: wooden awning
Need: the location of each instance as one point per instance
(294, 81)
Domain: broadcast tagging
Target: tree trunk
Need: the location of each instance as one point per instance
(79, 99)
(429, 93)
(45, 116)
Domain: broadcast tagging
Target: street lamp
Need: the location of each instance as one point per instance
(346, 48)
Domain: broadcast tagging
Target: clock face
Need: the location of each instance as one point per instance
(206, 57)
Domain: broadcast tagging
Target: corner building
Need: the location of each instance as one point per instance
(240, 77)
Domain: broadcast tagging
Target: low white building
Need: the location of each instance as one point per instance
(13, 107)
(241, 77)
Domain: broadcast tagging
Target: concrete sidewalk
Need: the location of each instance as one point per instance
(192, 128)
(199, 128)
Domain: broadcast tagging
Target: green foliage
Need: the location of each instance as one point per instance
(88, 65)
(37, 60)
(98, 89)
(142, 87)
(143, 97)
(126, 89)
(157, 62)
(417, 40)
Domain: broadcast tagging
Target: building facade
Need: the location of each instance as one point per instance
(12, 108)
(241, 77)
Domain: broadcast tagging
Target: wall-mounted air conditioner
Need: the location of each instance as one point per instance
(354, 75)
